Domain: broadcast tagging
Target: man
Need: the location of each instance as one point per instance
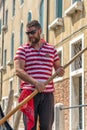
(34, 62)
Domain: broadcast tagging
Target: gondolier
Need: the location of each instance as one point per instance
(34, 62)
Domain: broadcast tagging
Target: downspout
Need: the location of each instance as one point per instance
(2, 49)
(47, 22)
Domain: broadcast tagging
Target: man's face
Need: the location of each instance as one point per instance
(33, 34)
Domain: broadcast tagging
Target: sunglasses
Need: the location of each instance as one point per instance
(32, 32)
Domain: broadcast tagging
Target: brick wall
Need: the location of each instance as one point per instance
(61, 95)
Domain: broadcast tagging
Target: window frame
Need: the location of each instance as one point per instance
(56, 79)
(76, 73)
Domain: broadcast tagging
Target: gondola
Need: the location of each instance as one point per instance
(6, 125)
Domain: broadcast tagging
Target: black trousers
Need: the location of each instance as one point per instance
(44, 107)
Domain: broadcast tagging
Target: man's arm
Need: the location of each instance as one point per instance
(20, 72)
(59, 68)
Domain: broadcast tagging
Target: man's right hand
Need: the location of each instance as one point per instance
(40, 86)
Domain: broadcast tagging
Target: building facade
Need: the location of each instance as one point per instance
(64, 24)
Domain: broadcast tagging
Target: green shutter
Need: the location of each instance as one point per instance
(75, 1)
(29, 16)
(21, 34)
(59, 8)
(22, 1)
(5, 57)
(12, 46)
(0, 26)
(13, 9)
(42, 14)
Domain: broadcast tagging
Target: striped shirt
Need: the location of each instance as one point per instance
(38, 64)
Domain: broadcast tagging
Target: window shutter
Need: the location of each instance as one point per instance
(12, 46)
(13, 9)
(75, 1)
(59, 8)
(0, 26)
(21, 34)
(42, 14)
(29, 16)
(5, 57)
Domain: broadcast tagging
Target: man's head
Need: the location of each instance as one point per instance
(33, 30)
(33, 23)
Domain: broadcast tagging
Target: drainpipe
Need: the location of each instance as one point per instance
(2, 49)
(47, 19)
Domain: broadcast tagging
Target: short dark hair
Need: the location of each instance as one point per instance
(34, 23)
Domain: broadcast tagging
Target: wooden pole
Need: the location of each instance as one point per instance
(17, 120)
(36, 91)
(10, 102)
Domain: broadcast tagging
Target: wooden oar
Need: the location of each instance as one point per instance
(35, 92)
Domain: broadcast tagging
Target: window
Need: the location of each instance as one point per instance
(80, 102)
(18, 85)
(12, 46)
(13, 8)
(41, 14)
(60, 53)
(21, 2)
(5, 56)
(21, 34)
(76, 47)
(76, 114)
(77, 84)
(6, 17)
(11, 84)
(4, 103)
(0, 26)
(73, 1)
(29, 16)
(59, 8)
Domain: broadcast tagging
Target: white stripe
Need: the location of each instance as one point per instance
(47, 90)
(17, 56)
(38, 62)
(42, 67)
(35, 71)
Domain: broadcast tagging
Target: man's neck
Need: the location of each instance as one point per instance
(37, 46)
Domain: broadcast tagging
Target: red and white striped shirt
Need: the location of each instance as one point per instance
(38, 64)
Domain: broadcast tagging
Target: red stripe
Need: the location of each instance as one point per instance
(37, 68)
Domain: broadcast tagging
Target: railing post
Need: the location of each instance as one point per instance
(58, 117)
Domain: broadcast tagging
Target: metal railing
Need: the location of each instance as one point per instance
(59, 121)
(76, 106)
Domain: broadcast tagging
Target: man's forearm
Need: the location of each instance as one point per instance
(24, 76)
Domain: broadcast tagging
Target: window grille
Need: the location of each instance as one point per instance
(76, 47)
